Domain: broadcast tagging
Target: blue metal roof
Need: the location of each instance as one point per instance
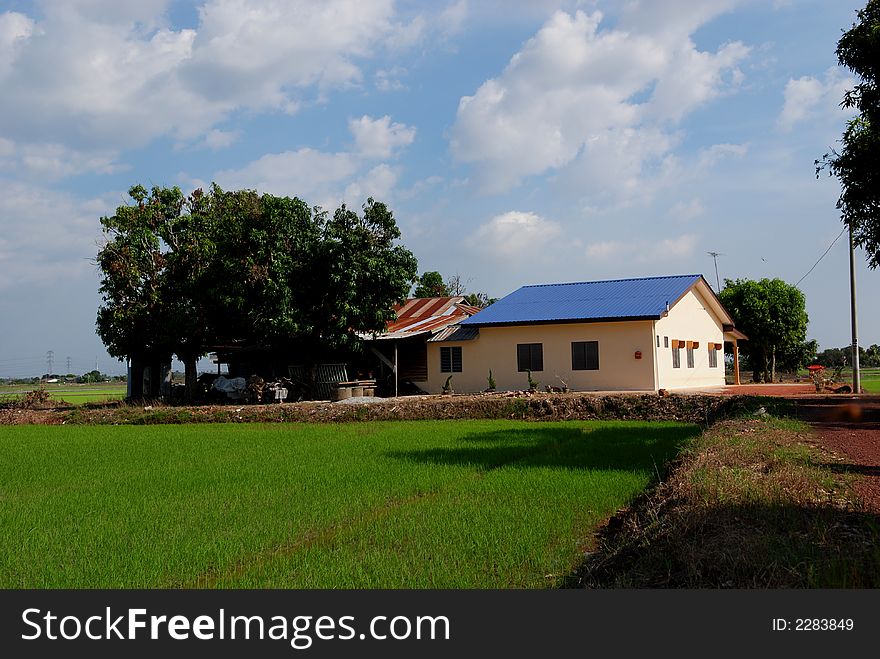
(619, 299)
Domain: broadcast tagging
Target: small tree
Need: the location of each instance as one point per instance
(431, 284)
(773, 315)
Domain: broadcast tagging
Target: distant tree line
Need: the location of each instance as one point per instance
(834, 357)
(183, 273)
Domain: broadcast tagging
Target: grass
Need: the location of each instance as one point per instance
(755, 503)
(457, 504)
(870, 380)
(72, 394)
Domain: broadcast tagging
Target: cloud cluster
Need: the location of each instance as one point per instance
(581, 91)
(105, 76)
(49, 235)
(514, 233)
(378, 138)
(807, 97)
(325, 178)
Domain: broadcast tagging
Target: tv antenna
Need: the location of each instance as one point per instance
(715, 256)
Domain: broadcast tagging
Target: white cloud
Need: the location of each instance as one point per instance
(806, 97)
(717, 152)
(604, 249)
(514, 233)
(452, 18)
(330, 178)
(378, 138)
(378, 183)
(643, 251)
(15, 30)
(50, 162)
(388, 80)
(305, 173)
(687, 211)
(574, 86)
(47, 235)
(112, 75)
(221, 139)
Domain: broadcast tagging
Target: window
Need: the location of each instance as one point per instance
(585, 356)
(713, 356)
(450, 359)
(690, 357)
(658, 340)
(529, 357)
(665, 341)
(676, 358)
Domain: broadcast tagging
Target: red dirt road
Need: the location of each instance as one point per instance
(851, 429)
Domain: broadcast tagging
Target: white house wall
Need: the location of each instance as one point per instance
(691, 319)
(495, 348)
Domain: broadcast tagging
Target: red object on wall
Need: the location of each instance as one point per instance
(638, 354)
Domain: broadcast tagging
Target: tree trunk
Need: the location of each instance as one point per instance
(155, 366)
(773, 366)
(190, 364)
(137, 378)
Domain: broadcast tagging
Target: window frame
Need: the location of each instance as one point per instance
(535, 356)
(590, 349)
(452, 361)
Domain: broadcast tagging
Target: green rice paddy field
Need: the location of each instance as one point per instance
(870, 380)
(451, 504)
(72, 394)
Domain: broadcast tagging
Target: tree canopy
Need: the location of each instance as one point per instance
(183, 273)
(857, 164)
(773, 315)
(431, 284)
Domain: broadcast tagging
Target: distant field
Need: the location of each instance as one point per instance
(73, 394)
(407, 504)
(871, 380)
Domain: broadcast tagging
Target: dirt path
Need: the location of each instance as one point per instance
(851, 429)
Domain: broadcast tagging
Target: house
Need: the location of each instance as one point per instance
(402, 348)
(621, 335)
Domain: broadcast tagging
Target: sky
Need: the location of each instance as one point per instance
(516, 142)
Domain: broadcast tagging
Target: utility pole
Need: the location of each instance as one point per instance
(50, 357)
(68, 363)
(857, 384)
(715, 256)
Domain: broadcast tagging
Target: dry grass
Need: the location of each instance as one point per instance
(754, 503)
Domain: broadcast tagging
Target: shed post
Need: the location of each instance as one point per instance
(395, 368)
(735, 362)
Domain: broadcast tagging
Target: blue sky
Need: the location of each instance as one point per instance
(517, 142)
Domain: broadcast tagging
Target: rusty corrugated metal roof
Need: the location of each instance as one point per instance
(426, 315)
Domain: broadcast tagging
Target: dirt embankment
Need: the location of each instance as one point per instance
(696, 408)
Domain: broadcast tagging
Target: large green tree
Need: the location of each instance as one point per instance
(183, 273)
(133, 263)
(857, 164)
(773, 315)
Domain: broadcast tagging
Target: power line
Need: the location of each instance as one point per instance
(821, 257)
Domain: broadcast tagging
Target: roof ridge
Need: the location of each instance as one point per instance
(611, 281)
